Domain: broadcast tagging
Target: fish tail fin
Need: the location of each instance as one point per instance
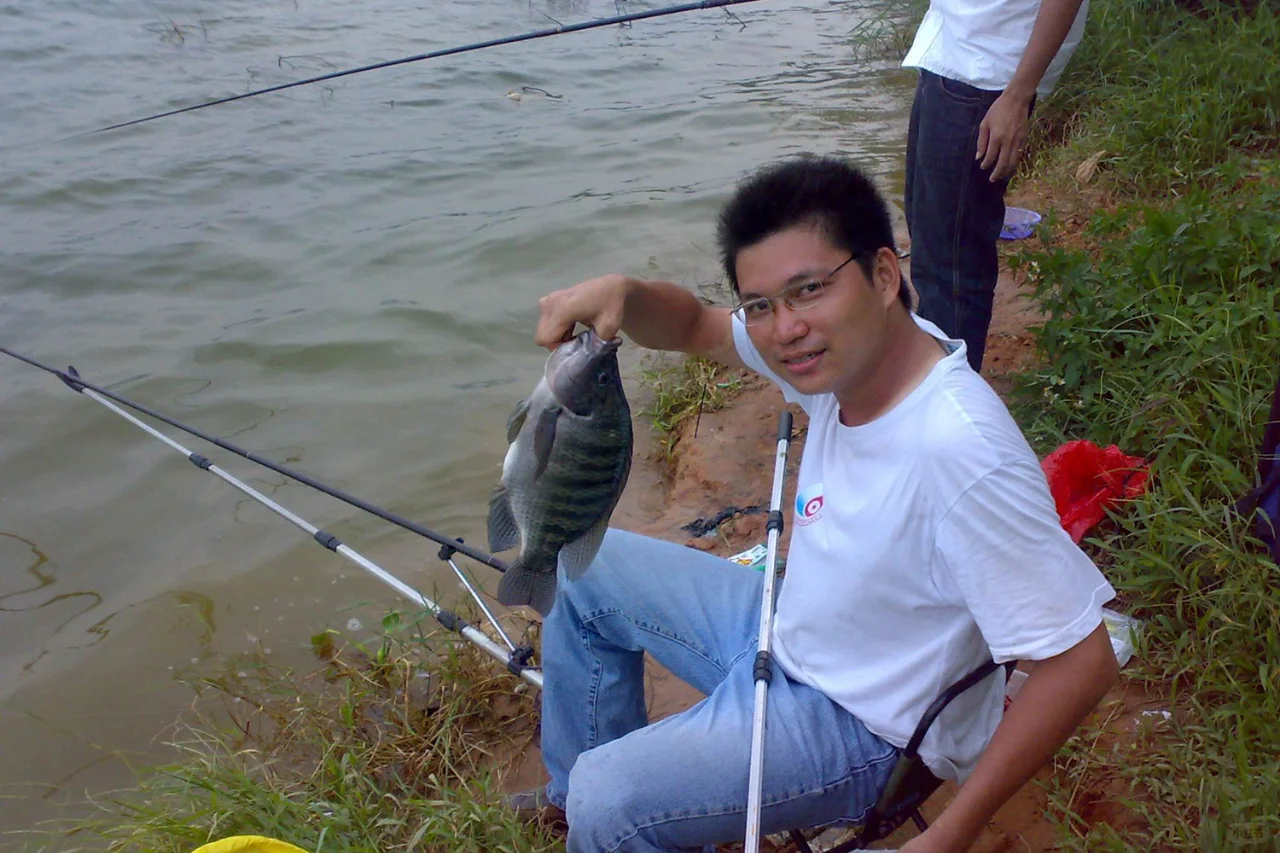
(523, 585)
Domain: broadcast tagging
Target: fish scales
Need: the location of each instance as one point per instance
(579, 480)
(566, 467)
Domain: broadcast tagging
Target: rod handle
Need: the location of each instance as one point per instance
(784, 425)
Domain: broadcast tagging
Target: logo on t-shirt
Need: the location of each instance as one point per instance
(809, 505)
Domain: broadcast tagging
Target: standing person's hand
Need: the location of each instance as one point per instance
(1002, 134)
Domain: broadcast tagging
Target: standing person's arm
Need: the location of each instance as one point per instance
(1004, 129)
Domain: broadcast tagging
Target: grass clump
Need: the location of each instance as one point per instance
(888, 28)
(394, 748)
(1162, 336)
(682, 388)
(1165, 340)
(1166, 94)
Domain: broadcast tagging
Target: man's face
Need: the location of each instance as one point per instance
(832, 343)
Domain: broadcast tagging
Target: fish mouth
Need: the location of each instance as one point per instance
(585, 351)
(595, 344)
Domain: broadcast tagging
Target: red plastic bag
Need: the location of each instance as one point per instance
(1085, 480)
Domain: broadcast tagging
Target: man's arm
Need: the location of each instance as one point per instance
(657, 315)
(1004, 129)
(1056, 697)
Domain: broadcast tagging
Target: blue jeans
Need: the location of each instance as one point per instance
(954, 211)
(681, 782)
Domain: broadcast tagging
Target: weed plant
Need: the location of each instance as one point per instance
(681, 389)
(391, 747)
(1165, 340)
(1166, 95)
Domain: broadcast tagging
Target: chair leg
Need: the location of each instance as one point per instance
(918, 819)
(802, 846)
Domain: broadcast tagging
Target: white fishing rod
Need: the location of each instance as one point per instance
(762, 671)
(515, 660)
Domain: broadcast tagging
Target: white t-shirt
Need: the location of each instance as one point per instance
(923, 543)
(981, 43)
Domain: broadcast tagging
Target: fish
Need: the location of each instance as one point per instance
(568, 458)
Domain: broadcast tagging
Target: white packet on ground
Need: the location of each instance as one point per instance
(1124, 632)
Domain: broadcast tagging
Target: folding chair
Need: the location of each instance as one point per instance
(910, 782)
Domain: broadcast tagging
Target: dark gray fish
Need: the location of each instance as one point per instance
(566, 466)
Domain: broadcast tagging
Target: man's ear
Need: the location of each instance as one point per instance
(886, 275)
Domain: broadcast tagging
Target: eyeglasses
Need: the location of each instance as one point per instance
(798, 297)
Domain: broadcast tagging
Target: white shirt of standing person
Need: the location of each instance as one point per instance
(981, 43)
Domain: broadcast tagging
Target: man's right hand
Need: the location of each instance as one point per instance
(659, 315)
(597, 302)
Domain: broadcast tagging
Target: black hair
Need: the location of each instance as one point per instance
(828, 192)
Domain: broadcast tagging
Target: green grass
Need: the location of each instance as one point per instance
(887, 29)
(1163, 337)
(1167, 95)
(681, 387)
(1165, 340)
(384, 749)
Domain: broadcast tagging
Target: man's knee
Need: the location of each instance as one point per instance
(603, 806)
(610, 573)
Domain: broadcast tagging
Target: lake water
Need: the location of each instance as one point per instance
(343, 277)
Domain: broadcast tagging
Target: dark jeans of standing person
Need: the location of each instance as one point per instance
(954, 211)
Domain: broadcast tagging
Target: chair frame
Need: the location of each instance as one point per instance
(910, 782)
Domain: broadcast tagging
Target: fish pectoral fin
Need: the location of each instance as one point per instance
(576, 556)
(504, 533)
(544, 437)
(516, 419)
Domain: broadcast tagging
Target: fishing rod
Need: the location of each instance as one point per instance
(516, 660)
(450, 51)
(762, 671)
(74, 381)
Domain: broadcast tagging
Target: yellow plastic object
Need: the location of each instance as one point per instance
(248, 844)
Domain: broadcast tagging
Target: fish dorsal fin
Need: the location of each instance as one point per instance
(516, 419)
(576, 556)
(503, 531)
(544, 437)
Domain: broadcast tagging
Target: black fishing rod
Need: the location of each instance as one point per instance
(515, 659)
(450, 51)
(74, 381)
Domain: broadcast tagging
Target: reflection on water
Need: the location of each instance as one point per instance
(49, 604)
(41, 577)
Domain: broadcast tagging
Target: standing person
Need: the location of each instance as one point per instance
(982, 66)
(924, 542)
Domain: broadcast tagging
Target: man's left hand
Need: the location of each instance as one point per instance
(1002, 134)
